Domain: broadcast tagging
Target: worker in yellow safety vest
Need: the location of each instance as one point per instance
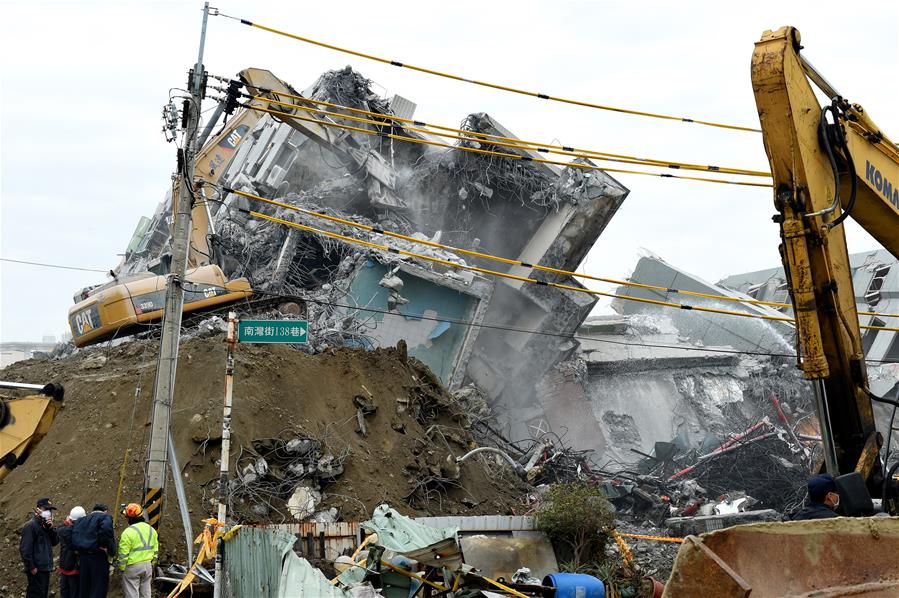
(138, 551)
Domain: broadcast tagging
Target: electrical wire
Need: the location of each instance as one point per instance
(496, 86)
(470, 135)
(582, 166)
(523, 279)
(468, 323)
(573, 336)
(497, 274)
(515, 144)
(513, 262)
(6, 259)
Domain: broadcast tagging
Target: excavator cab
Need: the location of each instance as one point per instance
(25, 421)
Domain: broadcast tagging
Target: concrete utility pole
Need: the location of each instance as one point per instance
(167, 362)
(226, 450)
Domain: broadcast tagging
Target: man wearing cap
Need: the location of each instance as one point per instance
(823, 498)
(69, 578)
(138, 550)
(36, 549)
(94, 539)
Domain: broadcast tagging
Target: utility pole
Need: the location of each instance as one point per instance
(167, 361)
(226, 450)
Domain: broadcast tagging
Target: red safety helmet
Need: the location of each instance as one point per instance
(132, 510)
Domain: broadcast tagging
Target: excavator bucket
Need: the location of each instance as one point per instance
(24, 423)
(823, 558)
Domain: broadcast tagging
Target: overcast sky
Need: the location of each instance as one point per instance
(82, 85)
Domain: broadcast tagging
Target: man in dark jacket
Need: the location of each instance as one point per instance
(69, 572)
(94, 539)
(823, 498)
(36, 548)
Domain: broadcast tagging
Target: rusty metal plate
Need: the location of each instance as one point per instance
(828, 557)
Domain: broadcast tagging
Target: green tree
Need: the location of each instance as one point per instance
(577, 518)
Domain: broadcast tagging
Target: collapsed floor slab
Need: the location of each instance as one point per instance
(634, 381)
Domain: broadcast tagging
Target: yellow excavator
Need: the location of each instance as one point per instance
(828, 163)
(128, 304)
(25, 421)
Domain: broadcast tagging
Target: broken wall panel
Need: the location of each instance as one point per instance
(439, 320)
(530, 330)
(743, 333)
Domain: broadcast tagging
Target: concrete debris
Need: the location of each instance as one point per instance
(875, 278)
(303, 502)
(94, 362)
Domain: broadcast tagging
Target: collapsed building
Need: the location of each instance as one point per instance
(875, 278)
(500, 334)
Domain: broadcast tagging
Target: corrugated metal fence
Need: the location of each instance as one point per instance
(253, 562)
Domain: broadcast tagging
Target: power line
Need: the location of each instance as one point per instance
(469, 322)
(5, 259)
(495, 273)
(477, 136)
(512, 262)
(535, 94)
(564, 335)
(462, 148)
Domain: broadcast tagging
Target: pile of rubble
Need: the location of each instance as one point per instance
(295, 426)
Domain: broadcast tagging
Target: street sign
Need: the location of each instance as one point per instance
(273, 331)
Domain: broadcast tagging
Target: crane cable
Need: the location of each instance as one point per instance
(535, 94)
(582, 166)
(508, 142)
(513, 262)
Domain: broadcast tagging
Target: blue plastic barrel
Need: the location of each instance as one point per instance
(575, 585)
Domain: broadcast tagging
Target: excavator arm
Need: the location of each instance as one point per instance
(827, 164)
(211, 162)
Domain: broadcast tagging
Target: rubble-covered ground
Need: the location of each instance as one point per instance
(279, 393)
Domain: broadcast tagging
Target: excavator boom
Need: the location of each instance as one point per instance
(827, 163)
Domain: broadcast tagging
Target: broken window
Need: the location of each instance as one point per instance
(872, 295)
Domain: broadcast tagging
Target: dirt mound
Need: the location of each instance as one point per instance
(279, 393)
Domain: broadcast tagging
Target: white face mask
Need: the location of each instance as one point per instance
(836, 503)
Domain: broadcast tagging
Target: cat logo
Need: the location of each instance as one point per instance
(84, 321)
(234, 138)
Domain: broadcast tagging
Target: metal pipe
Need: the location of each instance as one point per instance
(830, 452)
(182, 499)
(818, 79)
(226, 449)
(207, 131)
(22, 386)
(489, 449)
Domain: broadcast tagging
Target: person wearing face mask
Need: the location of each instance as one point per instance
(69, 572)
(823, 498)
(36, 549)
